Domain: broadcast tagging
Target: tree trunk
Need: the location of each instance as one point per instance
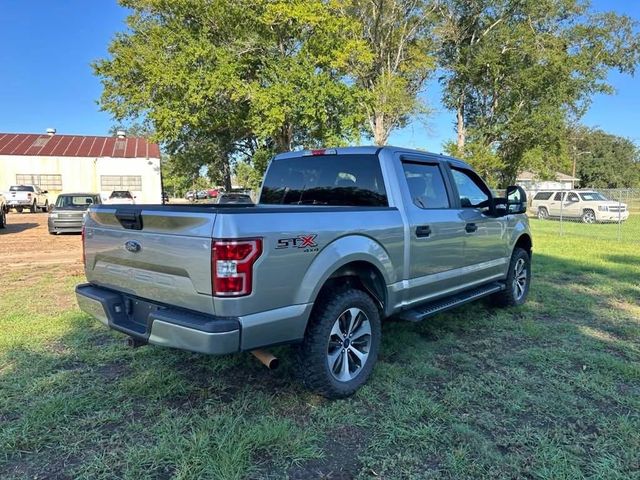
(380, 133)
(226, 175)
(460, 125)
(284, 139)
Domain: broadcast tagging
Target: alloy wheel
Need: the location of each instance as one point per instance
(349, 344)
(519, 279)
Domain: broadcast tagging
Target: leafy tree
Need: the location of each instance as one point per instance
(481, 157)
(604, 160)
(399, 59)
(221, 80)
(517, 71)
(133, 129)
(247, 176)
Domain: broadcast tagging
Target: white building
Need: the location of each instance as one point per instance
(72, 163)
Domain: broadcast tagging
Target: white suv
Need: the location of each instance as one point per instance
(586, 205)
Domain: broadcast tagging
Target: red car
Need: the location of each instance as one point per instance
(213, 192)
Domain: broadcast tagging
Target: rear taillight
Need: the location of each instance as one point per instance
(29, 196)
(84, 255)
(232, 266)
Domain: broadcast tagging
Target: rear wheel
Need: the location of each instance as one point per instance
(19, 209)
(3, 218)
(340, 347)
(518, 280)
(543, 213)
(34, 207)
(588, 216)
(46, 206)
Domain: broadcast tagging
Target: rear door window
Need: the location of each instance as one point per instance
(559, 196)
(426, 185)
(340, 180)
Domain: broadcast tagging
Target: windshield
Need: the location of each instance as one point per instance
(75, 201)
(345, 180)
(593, 197)
(120, 194)
(20, 188)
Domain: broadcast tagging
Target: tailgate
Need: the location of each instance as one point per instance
(159, 253)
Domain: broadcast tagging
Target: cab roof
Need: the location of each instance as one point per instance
(372, 150)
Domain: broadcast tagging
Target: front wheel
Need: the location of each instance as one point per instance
(3, 218)
(518, 280)
(588, 216)
(340, 347)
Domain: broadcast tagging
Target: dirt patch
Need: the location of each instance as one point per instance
(340, 461)
(26, 242)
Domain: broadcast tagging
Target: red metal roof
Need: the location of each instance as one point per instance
(76, 146)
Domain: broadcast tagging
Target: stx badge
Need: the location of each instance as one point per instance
(308, 242)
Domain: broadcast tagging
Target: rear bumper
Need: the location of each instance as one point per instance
(19, 203)
(158, 324)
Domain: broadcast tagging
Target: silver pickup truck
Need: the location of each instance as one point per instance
(340, 239)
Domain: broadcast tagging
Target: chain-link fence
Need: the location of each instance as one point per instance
(607, 214)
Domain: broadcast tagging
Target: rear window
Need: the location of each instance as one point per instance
(343, 180)
(117, 194)
(20, 188)
(543, 196)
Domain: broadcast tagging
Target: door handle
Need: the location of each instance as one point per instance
(423, 231)
(471, 227)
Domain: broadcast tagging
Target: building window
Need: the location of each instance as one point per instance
(120, 182)
(45, 182)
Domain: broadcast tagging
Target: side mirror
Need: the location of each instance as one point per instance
(516, 200)
(45, 191)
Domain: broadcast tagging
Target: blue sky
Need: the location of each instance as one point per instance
(46, 80)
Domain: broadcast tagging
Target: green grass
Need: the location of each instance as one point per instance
(627, 231)
(547, 391)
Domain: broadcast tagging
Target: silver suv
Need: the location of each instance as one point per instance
(588, 206)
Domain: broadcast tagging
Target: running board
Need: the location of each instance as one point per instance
(425, 310)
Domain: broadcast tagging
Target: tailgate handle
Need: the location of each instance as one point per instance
(130, 220)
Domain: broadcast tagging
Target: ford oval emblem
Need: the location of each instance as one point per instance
(132, 246)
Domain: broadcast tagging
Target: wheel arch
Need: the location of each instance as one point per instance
(524, 241)
(355, 259)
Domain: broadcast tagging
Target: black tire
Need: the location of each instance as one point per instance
(314, 352)
(19, 209)
(512, 295)
(3, 218)
(543, 213)
(34, 207)
(46, 206)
